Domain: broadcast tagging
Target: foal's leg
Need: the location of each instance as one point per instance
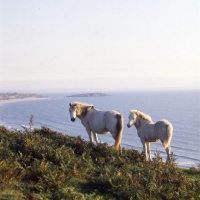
(96, 138)
(145, 149)
(148, 150)
(89, 134)
(168, 151)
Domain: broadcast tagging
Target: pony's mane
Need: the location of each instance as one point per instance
(143, 116)
(82, 108)
(82, 104)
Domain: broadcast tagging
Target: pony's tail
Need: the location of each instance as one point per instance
(169, 134)
(119, 127)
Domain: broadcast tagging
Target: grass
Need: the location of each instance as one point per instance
(44, 164)
(192, 173)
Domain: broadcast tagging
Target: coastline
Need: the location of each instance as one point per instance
(14, 97)
(22, 99)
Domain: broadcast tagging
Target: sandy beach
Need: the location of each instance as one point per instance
(13, 97)
(23, 99)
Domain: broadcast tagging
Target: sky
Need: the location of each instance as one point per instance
(99, 45)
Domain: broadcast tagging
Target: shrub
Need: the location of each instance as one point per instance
(44, 164)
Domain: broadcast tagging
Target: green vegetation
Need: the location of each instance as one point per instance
(44, 164)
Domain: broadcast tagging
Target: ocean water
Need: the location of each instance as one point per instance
(182, 109)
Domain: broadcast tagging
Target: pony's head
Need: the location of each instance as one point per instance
(72, 111)
(77, 109)
(132, 118)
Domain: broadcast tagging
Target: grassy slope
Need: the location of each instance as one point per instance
(48, 165)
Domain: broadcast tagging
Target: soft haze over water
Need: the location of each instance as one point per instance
(182, 109)
(97, 45)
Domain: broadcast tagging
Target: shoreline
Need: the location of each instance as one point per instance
(22, 99)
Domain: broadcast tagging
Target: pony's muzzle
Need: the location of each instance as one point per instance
(72, 119)
(128, 125)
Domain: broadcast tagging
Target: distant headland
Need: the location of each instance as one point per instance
(96, 94)
(18, 96)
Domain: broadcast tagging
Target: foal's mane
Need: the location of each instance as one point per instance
(144, 116)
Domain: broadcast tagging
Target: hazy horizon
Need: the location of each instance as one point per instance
(89, 46)
(103, 90)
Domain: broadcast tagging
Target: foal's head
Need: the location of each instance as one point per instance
(137, 118)
(132, 118)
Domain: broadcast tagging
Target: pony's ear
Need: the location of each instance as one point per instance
(70, 104)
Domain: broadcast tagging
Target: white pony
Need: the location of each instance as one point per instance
(96, 121)
(148, 131)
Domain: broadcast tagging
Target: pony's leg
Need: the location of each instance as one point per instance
(96, 138)
(168, 151)
(148, 150)
(114, 135)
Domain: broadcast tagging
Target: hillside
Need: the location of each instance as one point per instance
(44, 164)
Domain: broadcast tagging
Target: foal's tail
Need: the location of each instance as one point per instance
(119, 127)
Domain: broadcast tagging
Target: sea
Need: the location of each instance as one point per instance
(181, 108)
